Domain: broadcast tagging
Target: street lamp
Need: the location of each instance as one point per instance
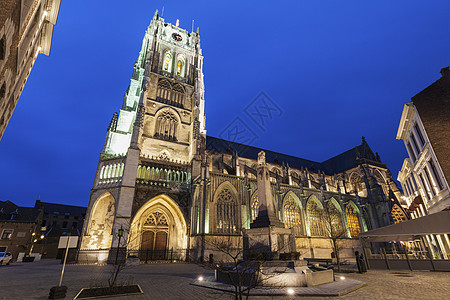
(120, 234)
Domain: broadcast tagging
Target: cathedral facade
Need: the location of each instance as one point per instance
(167, 186)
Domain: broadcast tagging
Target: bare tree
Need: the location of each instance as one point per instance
(118, 261)
(242, 274)
(335, 230)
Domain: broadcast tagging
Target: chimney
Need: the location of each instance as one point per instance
(445, 72)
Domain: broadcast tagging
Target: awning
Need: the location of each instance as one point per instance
(438, 223)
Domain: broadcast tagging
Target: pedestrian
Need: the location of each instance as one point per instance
(358, 263)
(362, 263)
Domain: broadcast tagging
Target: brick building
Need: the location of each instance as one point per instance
(19, 227)
(58, 220)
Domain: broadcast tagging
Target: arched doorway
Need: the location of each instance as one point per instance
(158, 230)
(154, 236)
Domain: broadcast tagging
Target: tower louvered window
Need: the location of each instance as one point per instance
(166, 126)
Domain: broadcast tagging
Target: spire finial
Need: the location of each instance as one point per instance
(155, 16)
(177, 23)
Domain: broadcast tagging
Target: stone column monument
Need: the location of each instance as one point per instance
(267, 234)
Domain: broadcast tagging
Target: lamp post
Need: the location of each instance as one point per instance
(120, 234)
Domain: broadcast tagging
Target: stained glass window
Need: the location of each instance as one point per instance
(254, 206)
(352, 220)
(292, 215)
(334, 218)
(315, 218)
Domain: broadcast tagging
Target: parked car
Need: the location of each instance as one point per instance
(5, 258)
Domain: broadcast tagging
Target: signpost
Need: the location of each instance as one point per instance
(66, 242)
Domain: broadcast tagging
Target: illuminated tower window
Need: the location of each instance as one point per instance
(180, 67)
(167, 66)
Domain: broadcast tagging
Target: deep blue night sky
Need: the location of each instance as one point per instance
(337, 69)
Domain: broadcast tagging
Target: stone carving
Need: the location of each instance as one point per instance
(156, 219)
(164, 155)
(261, 158)
(225, 195)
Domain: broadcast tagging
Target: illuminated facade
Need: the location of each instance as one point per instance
(425, 130)
(171, 187)
(26, 29)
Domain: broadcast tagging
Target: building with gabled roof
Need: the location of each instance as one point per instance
(18, 227)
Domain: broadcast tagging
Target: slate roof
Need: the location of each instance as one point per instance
(21, 214)
(337, 164)
(61, 208)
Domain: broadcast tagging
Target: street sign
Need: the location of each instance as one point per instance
(73, 242)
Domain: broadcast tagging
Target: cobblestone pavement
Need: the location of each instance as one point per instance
(172, 281)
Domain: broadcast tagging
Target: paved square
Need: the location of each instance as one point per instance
(172, 281)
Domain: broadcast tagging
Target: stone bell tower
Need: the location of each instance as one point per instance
(153, 146)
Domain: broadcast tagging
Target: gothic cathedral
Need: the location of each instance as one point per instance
(163, 188)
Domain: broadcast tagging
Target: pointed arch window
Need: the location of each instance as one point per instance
(254, 206)
(315, 218)
(166, 126)
(156, 219)
(292, 215)
(227, 221)
(295, 178)
(397, 214)
(335, 219)
(277, 172)
(167, 64)
(168, 94)
(352, 221)
(181, 67)
(366, 217)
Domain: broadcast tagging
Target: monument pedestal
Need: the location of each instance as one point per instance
(270, 241)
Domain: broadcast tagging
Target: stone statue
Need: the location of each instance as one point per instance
(261, 158)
